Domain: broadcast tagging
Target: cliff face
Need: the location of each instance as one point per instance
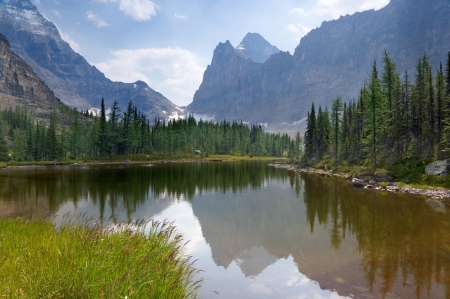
(67, 73)
(19, 85)
(333, 60)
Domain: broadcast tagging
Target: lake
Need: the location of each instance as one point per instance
(257, 231)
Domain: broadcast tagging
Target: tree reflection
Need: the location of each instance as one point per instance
(399, 237)
(127, 187)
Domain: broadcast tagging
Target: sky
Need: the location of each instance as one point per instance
(169, 43)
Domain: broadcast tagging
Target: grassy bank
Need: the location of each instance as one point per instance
(39, 261)
(410, 172)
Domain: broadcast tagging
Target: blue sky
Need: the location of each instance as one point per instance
(168, 44)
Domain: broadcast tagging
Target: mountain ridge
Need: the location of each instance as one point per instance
(332, 60)
(67, 73)
(20, 85)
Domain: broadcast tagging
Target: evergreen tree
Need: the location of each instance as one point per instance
(114, 129)
(336, 110)
(440, 102)
(102, 133)
(373, 99)
(311, 135)
(51, 141)
(447, 75)
(4, 155)
(389, 84)
(323, 132)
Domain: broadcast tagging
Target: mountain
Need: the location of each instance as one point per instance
(255, 47)
(66, 72)
(332, 60)
(19, 85)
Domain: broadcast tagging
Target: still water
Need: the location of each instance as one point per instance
(257, 231)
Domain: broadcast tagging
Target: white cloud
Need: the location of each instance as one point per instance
(75, 46)
(337, 8)
(175, 72)
(92, 17)
(178, 16)
(298, 30)
(139, 10)
(56, 13)
(316, 11)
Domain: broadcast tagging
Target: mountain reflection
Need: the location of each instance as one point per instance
(358, 242)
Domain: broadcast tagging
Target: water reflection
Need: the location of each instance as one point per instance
(259, 232)
(403, 240)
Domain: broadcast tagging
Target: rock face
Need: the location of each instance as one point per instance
(255, 47)
(332, 60)
(67, 73)
(438, 168)
(19, 85)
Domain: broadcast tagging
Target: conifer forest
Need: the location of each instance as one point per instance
(396, 118)
(70, 134)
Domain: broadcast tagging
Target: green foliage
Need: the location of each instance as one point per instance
(40, 261)
(71, 135)
(394, 123)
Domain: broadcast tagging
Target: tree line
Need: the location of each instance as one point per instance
(71, 134)
(394, 119)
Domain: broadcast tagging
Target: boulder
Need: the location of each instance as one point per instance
(197, 152)
(440, 168)
(358, 183)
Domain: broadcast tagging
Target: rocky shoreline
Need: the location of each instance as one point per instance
(376, 182)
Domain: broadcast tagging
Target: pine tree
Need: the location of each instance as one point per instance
(336, 110)
(345, 133)
(102, 133)
(447, 75)
(390, 85)
(311, 135)
(51, 141)
(440, 101)
(4, 155)
(373, 98)
(114, 129)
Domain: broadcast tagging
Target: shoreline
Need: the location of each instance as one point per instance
(434, 193)
(140, 160)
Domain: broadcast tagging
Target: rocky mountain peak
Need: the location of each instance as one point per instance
(19, 85)
(77, 83)
(254, 46)
(23, 15)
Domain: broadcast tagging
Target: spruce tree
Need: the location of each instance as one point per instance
(4, 149)
(336, 111)
(447, 75)
(103, 133)
(311, 135)
(374, 114)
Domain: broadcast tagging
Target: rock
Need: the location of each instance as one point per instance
(197, 152)
(126, 162)
(368, 187)
(281, 88)
(438, 168)
(358, 183)
(19, 84)
(393, 188)
(67, 73)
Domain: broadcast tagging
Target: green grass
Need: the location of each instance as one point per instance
(38, 260)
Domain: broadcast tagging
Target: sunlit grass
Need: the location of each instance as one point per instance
(38, 260)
